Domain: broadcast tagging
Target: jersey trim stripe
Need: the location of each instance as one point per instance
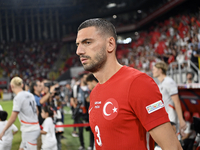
(147, 140)
(29, 122)
(32, 144)
(171, 106)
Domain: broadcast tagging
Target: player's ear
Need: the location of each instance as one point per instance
(22, 86)
(11, 86)
(111, 44)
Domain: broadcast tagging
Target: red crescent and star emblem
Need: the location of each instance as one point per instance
(110, 109)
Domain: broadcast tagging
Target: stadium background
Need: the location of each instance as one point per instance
(37, 38)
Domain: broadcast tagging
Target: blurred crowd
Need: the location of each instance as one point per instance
(177, 39)
(173, 40)
(29, 60)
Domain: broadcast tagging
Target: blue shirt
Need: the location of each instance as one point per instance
(37, 99)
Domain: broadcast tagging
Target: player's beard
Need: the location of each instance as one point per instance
(97, 62)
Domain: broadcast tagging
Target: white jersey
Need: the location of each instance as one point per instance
(8, 136)
(168, 88)
(1, 108)
(24, 103)
(49, 139)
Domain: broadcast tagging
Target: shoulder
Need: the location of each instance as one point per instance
(137, 80)
(129, 73)
(169, 80)
(49, 120)
(28, 95)
(75, 87)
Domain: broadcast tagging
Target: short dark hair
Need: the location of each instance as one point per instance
(190, 72)
(3, 115)
(34, 83)
(81, 74)
(105, 27)
(91, 78)
(49, 110)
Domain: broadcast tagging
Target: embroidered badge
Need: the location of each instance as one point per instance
(155, 106)
(110, 109)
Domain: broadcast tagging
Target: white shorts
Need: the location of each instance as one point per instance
(4, 146)
(172, 115)
(29, 140)
(52, 148)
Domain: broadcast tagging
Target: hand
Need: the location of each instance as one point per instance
(46, 89)
(1, 135)
(52, 88)
(182, 127)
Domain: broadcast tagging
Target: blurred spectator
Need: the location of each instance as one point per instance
(58, 120)
(91, 82)
(190, 77)
(79, 95)
(36, 90)
(68, 93)
(180, 58)
(189, 137)
(194, 57)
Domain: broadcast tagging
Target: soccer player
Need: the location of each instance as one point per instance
(126, 107)
(24, 106)
(169, 91)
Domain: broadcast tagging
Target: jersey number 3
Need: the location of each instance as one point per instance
(98, 135)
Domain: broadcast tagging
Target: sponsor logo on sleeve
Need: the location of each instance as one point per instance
(155, 106)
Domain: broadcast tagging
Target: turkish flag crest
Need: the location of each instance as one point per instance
(110, 109)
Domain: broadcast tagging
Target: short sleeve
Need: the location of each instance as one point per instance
(172, 87)
(37, 100)
(146, 102)
(1, 108)
(14, 128)
(46, 125)
(16, 104)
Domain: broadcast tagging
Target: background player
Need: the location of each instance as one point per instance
(169, 91)
(24, 106)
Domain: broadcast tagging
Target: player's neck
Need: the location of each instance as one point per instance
(107, 72)
(161, 78)
(37, 93)
(189, 81)
(17, 90)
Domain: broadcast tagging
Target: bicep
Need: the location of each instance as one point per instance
(175, 98)
(165, 137)
(14, 115)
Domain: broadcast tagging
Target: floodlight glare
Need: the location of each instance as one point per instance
(111, 5)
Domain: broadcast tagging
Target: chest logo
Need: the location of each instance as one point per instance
(110, 109)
